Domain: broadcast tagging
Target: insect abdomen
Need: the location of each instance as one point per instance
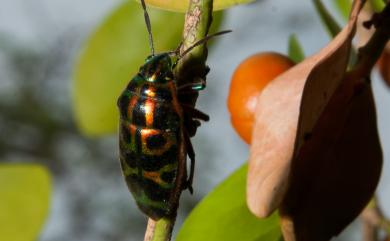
(150, 146)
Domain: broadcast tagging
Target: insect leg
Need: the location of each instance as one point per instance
(191, 125)
(198, 86)
(191, 155)
(195, 113)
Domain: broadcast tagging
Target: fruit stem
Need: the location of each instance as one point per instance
(370, 53)
(190, 69)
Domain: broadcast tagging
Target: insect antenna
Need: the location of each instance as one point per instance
(148, 26)
(199, 42)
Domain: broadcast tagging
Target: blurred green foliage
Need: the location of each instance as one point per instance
(330, 23)
(377, 5)
(25, 191)
(223, 215)
(295, 50)
(344, 7)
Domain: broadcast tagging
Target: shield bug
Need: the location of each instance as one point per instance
(155, 129)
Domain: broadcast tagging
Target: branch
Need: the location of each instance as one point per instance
(190, 69)
(373, 220)
(160, 230)
(370, 219)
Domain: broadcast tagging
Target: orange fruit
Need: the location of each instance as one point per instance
(248, 80)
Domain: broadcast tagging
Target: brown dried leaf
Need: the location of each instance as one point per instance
(364, 34)
(384, 65)
(337, 170)
(287, 109)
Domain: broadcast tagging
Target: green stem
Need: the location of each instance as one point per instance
(190, 69)
(160, 230)
(196, 27)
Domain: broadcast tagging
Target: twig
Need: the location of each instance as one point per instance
(190, 69)
(287, 226)
(370, 218)
(373, 221)
(160, 230)
(370, 233)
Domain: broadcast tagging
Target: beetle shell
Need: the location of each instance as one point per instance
(152, 150)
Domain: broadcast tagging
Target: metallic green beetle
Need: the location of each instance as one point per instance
(155, 131)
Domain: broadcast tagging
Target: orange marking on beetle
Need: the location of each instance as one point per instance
(133, 131)
(145, 133)
(168, 136)
(154, 176)
(130, 108)
(149, 112)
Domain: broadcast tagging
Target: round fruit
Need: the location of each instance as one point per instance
(250, 77)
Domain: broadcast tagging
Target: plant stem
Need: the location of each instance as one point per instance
(190, 69)
(160, 230)
(373, 221)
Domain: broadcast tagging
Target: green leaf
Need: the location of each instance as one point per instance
(295, 51)
(377, 5)
(344, 7)
(112, 56)
(223, 215)
(182, 6)
(328, 20)
(24, 200)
